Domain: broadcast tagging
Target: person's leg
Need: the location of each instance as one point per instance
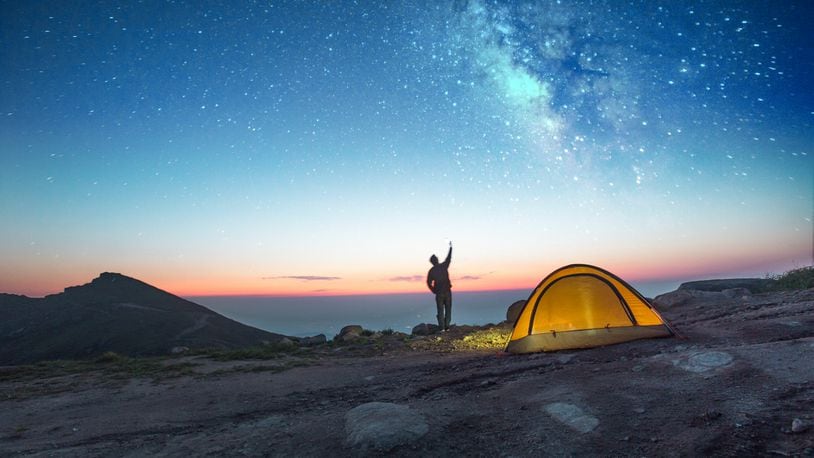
(439, 304)
(448, 310)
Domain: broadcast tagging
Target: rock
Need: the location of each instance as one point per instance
(350, 332)
(704, 361)
(684, 297)
(351, 328)
(425, 329)
(286, 342)
(754, 285)
(565, 359)
(739, 293)
(179, 350)
(798, 426)
(318, 339)
(514, 311)
(382, 426)
(572, 416)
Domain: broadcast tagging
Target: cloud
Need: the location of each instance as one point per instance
(303, 278)
(420, 278)
(410, 278)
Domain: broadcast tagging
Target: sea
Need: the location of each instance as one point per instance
(312, 315)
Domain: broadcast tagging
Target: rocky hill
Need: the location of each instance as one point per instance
(113, 313)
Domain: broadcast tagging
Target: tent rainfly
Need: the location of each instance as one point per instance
(582, 306)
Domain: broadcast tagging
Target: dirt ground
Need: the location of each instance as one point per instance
(732, 385)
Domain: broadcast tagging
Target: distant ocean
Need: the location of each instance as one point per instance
(308, 316)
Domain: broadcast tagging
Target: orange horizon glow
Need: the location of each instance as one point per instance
(525, 277)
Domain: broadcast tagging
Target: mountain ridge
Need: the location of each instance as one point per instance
(113, 312)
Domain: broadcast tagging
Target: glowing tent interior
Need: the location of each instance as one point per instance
(583, 306)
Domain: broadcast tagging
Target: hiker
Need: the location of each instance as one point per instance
(439, 284)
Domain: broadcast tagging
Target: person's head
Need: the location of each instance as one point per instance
(434, 260)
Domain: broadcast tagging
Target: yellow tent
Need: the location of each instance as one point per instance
(582, 306)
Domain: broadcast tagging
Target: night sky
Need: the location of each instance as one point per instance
(332, 147)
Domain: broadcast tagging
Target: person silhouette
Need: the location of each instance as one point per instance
(438, 282)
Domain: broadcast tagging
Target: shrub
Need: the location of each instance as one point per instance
(110, 357)
(802, 278)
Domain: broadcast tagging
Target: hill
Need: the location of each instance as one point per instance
(113, 313)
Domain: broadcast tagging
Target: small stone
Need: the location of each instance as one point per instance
(179, 350)
(798, 426)
(638, 410)
(565, 359)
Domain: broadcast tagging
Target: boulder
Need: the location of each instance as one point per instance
(286, 342)
(318, 339)
(514, 311)
(351, 329)
(382, 426)
(684, 297)
(425, 329)
(349, 332)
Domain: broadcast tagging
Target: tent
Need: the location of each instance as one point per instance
(583, 306)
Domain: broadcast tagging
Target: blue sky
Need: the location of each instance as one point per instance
(213, 148)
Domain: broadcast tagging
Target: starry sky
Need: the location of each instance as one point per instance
(301, 147)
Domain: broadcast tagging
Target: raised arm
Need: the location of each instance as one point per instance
(449, 256)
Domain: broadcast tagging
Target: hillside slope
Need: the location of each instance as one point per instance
(113, 313)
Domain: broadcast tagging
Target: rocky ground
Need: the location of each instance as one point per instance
(738, 382)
